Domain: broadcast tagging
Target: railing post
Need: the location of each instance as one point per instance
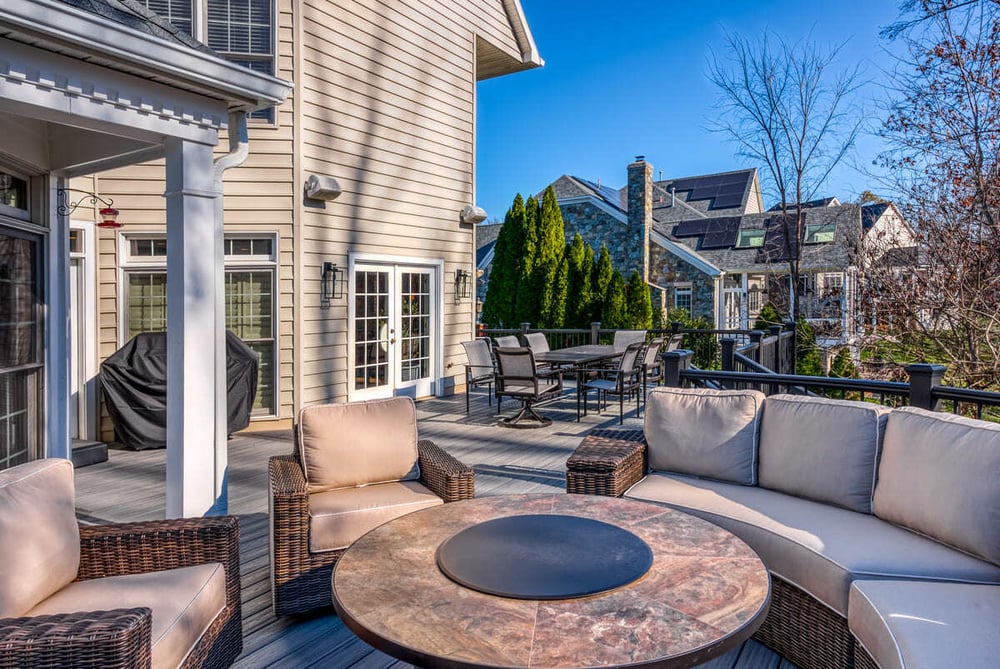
(595, 332)
(923, 378)
(728, 354)
(676, 326)
(674, 362)
(792, 346)
(755, 351)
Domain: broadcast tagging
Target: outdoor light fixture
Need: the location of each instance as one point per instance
(472, 214)
(332, 282)
(462, 277)
(109, 215)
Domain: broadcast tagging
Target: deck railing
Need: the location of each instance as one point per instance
(923, 390)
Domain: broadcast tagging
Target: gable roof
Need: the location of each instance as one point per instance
(871, 212)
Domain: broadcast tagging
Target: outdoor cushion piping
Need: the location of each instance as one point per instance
(878, 612)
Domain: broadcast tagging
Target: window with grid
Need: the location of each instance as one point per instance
(682, 299)
(241, 31)
(250, 299)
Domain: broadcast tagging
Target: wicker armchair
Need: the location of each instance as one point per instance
(300, 576)
(122, 637)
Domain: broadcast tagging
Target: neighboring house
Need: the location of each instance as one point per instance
(348, 298)
(344, 299)
(86, 86)
(704, 243)
(486, 241)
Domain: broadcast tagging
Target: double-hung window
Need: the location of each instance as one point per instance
(250, 298)
(682, 296)
(241, 31)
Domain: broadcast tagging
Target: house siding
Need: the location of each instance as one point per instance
(385, 103)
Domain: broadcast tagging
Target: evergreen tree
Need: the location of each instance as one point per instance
(550, 290)
(807, 359)
(639, 304)
(590, 298)
(528, 303)
(578, 298)
(603, 271)
(843, 366)
(555, 317)
(499, 304)
(615, 313)
(768, 316)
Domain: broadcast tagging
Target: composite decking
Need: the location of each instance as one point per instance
(130, 486)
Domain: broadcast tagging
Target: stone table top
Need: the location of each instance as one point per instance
(705, 593)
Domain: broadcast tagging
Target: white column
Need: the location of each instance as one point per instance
(193, 275)
(57, 348)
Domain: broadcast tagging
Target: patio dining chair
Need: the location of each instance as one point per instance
(625, 337)
(480, 369)
(508, 341)
(518, 378)
(622, 380)
(355, 466)
(651, 368)
(539, 343)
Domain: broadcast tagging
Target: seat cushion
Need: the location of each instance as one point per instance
(358, 443)
(39, 535)
(818, 547)
(921, 625)
(184, 602)
(337, 518)
(940, 476)
(711, 433)
(821, 449)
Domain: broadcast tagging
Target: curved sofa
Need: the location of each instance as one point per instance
(881, 528)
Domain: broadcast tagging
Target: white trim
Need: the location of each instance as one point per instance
(436, 264)
(155, 58)
(685, 254)
(522, 33)
(618, 214)
(86, 331)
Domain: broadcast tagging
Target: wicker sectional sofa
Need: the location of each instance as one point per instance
(881, 528)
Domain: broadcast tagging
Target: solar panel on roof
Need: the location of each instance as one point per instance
(691, 228)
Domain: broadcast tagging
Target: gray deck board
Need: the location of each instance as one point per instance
(130, 486)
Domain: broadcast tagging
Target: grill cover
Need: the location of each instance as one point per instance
(134, 379)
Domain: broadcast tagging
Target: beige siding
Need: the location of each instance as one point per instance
(386, 97)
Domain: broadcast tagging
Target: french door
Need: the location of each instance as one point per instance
(395, 338)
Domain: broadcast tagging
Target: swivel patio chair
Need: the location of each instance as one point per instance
(518, 378)
(355, 467)
(480, 369)
(160, 593)
(622, 380)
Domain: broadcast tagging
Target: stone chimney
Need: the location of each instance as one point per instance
(640, 208)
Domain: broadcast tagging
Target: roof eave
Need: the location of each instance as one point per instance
(163, 60)
(522, 33)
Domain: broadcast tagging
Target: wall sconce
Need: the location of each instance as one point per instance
(462, 291)
(472, 214)
(332, 282)
(108, 214)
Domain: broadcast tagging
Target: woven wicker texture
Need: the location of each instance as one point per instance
(607, 462)
(805, 631)
(862, 660)
(301, 579)
(121, 638)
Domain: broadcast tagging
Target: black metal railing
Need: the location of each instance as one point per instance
(924, 389)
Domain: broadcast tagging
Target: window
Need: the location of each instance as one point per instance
(241, 31)
(833, 284)
(250, 299)
(749, 239)
(820, 233)
(682, 298)
(13, 195)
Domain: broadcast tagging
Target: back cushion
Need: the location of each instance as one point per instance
(709, 433)
(347, 445)
(940, 475)
(39, 535)
(821, 449)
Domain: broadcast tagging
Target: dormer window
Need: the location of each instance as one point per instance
(820, 233)
(749, 239)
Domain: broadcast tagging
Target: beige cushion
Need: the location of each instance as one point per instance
(940, 476)
(821, 449)
(337, 518)
(818, 547)
(346, 445)
(918, 625)
(710, 433)
(184, 602)
(39, 535)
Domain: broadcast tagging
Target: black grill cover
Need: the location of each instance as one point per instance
(134, 379)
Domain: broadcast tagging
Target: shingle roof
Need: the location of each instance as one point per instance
(811, 204)
(870, 213)
(846, 218)
(135, 15)
(703, 196)
(484, 251)
(486, 233)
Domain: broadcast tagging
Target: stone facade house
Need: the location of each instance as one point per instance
(705, 243)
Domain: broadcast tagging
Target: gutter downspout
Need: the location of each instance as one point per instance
(239, 150)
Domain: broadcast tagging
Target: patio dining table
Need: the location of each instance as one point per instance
(579, 358)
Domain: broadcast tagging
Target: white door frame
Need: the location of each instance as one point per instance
(391, 262)
(83, 349)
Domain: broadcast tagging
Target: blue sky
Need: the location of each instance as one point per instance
(628, 77)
